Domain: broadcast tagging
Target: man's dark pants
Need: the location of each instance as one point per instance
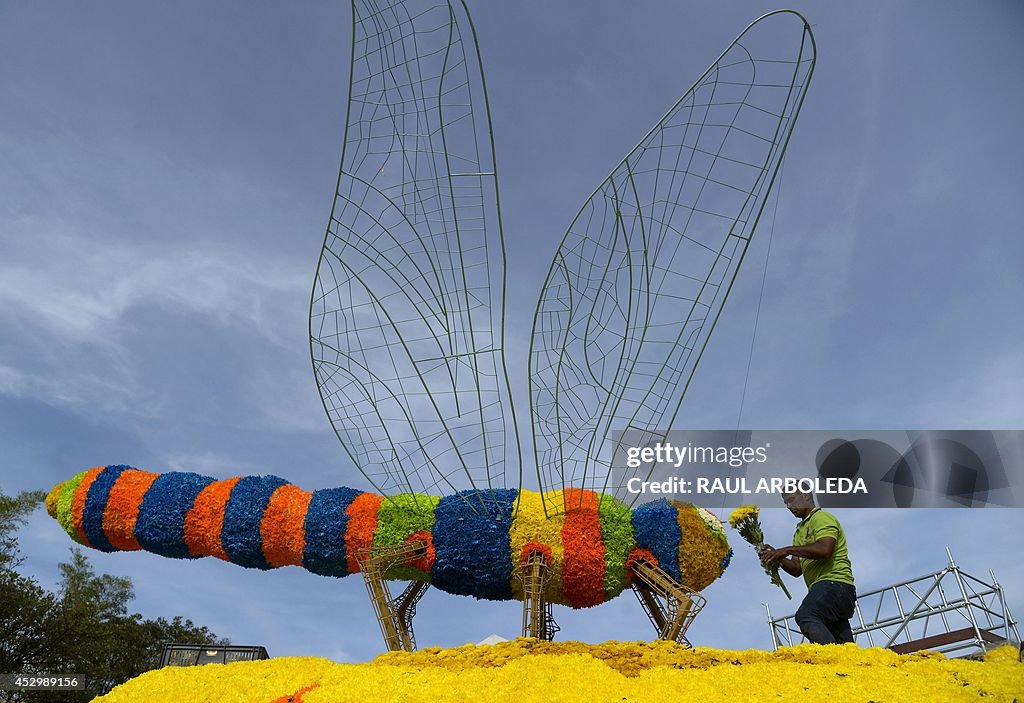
(824, 616)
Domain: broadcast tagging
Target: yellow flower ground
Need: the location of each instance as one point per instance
(528, 670)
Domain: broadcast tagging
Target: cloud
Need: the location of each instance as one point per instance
(84, 294)
(82, 388)
(96, 324)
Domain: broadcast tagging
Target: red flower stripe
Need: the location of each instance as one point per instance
(205, 520)
(296, 697)
(636, 555)
(583, 564)
(531, 547)
(362, 523)
(78, 502)
(122, 509)
(426, 562)
(283, 526)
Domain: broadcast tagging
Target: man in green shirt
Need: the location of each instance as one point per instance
(819, 554)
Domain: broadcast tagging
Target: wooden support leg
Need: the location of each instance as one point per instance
(538, 621)
(380, 599)
(406, 610)
(670, 605)
(652, 606)
(394, 615)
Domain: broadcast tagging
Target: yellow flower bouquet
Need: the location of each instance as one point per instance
(746, 520)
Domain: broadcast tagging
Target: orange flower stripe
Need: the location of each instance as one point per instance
(205, 520)
(362, 523)
(122, 509)
(283, 527)
(78, 502)
(583, 570)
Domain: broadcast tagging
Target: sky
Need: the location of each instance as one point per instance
(166, 175)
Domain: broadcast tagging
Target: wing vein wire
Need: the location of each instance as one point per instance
(651, 256)
(407, 307)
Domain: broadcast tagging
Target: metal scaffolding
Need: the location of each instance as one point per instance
(946, 611)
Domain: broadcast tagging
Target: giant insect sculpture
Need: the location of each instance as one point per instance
(407, 338)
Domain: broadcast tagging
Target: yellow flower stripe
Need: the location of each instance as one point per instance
(529, 524)
(700, 550)
(531, 671)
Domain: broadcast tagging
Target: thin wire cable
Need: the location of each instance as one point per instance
(760, 297)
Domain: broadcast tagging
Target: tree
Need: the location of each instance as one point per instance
(25, 613)
(84, 628)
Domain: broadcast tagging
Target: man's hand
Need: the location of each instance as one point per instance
(769, 554)
(785, 558)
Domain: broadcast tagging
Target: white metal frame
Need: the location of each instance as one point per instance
(946, 611)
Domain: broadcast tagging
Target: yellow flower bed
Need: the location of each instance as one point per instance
(528, 670)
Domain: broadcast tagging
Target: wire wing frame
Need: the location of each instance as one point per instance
(407, 309)
(640, 278)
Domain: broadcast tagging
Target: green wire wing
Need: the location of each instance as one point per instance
(406, 312)
(639, 280)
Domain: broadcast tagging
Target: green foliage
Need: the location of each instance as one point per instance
(84, 628)
(25, 620)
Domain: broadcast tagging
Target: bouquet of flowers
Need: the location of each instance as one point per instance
(745, 519)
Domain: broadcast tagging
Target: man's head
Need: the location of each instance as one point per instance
(800, 504)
